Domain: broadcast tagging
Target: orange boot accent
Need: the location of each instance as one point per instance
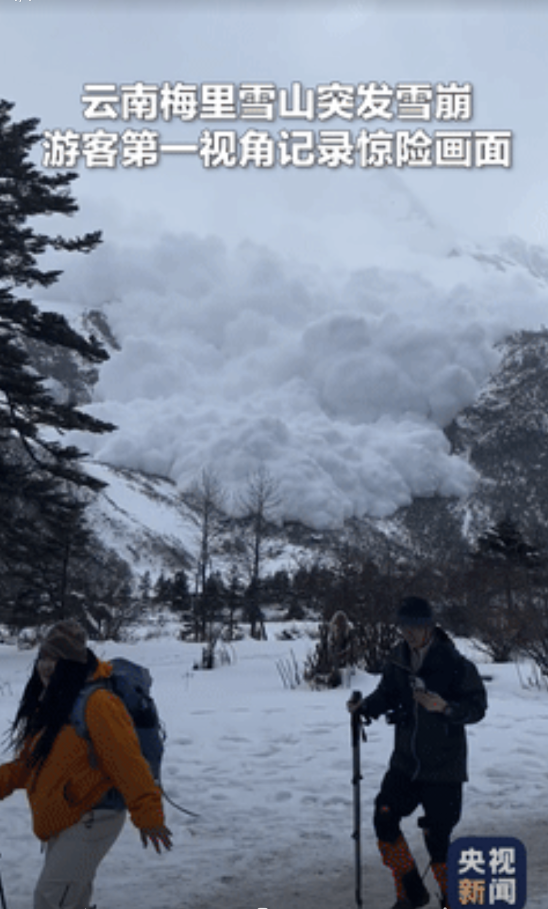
(398, 858)
(439, 870)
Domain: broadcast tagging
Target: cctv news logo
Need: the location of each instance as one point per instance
(488, 872)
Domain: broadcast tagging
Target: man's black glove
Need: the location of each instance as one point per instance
(398, 716)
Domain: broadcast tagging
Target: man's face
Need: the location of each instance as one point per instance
(417, 636)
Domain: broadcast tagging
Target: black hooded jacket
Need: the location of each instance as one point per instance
(429, 746)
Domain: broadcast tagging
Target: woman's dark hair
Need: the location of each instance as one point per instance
(49, 713)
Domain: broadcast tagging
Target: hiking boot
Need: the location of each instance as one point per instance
(407, 904)
(416, 893)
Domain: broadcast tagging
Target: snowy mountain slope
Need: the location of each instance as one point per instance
(505, 436)
(140, 518)
(143, 520)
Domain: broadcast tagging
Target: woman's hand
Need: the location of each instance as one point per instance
(157, 836)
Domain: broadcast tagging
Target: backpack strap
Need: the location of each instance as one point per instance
(112, 799)
(78, 715)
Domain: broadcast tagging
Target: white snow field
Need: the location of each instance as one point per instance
(269, 770)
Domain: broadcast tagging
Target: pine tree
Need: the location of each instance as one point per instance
(163, 590)
(502, 577)
(39, 476)
(144, 589)
(504, 540)
(180, 594)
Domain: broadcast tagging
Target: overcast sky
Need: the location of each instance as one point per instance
(50, 50)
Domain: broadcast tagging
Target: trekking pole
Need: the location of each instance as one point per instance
(175, 805)
(356, 731)
(2, 894)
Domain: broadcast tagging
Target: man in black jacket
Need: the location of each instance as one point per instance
(430, 691)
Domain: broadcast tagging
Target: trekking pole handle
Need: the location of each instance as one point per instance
(355, 718)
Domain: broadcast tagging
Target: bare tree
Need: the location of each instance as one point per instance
(204, 501)
(259, 506)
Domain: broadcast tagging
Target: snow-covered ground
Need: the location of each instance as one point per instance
(268, 769)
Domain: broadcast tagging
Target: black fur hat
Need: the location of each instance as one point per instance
(415, 611)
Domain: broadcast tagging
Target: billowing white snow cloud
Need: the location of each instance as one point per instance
(340, 384)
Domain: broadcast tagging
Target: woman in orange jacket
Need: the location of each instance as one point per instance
(64, 791)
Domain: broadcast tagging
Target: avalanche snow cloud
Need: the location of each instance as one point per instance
(340, 384)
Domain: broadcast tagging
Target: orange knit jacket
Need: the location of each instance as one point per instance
(67, 786)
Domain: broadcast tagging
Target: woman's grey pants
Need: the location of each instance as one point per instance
(72, 859)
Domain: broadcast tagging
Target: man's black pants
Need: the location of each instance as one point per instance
(399, 796)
